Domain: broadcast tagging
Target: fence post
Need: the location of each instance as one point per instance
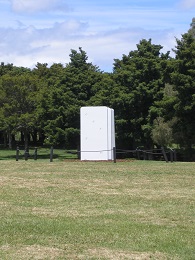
(17, 153)
(26, 154)
(138, 154)
(35, 154)
(164, 154)
(51, 154)
(175, 155)
(114, 154)
(171, 155)
(78, 152)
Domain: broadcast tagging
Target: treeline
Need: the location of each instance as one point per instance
(152, 94)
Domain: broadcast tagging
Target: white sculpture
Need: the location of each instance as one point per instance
(97, 133)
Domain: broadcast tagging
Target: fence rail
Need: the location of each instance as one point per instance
(140, 154)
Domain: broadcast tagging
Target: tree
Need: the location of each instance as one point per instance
(18, 104)
(192, 28)
(183, 79)
(68, 88)
(5, 68)
(141, 78)
(162, 132)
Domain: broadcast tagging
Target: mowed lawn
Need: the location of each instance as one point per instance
(97, 210)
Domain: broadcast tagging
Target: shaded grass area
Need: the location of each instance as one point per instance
(42, 153)
(88, 210)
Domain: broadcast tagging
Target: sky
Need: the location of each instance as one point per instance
(45, 31)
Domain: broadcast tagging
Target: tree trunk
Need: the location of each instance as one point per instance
(25, 139)
(22, 137)
(34, 137)
(10, 140)
(41, 137)
(188, 152)
(5, 139)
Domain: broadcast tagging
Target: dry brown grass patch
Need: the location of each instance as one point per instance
(35, 252)
(103, 253)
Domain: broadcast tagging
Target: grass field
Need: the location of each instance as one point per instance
(97, 210)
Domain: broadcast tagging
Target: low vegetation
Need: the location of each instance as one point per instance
(96, 210)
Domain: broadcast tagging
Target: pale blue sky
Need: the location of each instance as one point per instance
(45, 30)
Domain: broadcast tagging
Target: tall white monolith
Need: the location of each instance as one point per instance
(97, 133)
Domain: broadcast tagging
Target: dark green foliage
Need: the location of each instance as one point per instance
(140, 76)
(183, 79)
(67, 89)
(18, 102)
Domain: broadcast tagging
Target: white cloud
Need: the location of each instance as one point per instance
(35, 30)
(22, 40)
(32, 6)
(25, 46)
(188, 4)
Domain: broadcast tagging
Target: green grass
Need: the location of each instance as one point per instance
(97, 210)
